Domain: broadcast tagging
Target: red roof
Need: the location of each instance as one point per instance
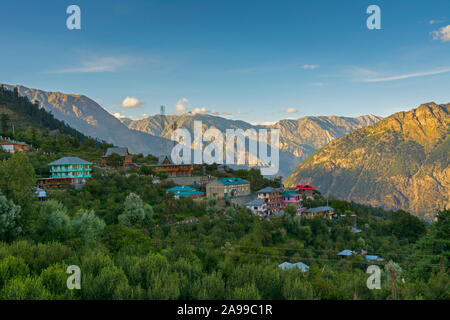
(304, 187)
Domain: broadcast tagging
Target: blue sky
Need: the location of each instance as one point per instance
(258, 61)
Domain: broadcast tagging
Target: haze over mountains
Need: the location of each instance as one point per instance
(400, 162)
(298, 138)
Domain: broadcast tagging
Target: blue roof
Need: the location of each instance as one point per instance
(355, 230)
(287, 265)
(188, 193)
(319, 209)
(256, 202)
(181, 188)
(346, 253)
(232, 181)
(290, 193)
(69, 161)
(268, 189)
(373, 258)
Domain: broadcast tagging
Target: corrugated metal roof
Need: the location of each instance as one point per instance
(181, 188)
(256, 202)
(319, 209)
(287, 265)
(346, 253)
(232, 181)
(268, 190)
(68, 161)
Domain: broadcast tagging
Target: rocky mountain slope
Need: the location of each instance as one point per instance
(401, 162)
(298, 138)
(88, 117)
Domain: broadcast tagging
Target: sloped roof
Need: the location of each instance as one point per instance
(287, 265)
(255, 203)
(181, 188)
(356, 230)
(346, 253)
(232, 181)
(162, 158)
(188, 193)
(68, 161)
(373, 258)
(268, 190)
(120, 151)
(319, 209)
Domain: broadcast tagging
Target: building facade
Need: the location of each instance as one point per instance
(73, 168)
(273, 199)
(257, 207)
(173, 170)
(227, 188)
(290, 197)
(13, 146)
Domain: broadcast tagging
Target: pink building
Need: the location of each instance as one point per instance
(293, 198)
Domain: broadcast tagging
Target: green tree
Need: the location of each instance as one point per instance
(17, 179)
(9, 219)
(135, 212)
(114, 160)
(87, 225)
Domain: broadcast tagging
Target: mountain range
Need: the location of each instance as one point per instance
(401, 161)
(298, 138)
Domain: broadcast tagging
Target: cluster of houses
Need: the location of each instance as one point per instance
(13, 146)
(343, 254)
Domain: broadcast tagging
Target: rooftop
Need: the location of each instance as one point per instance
(69, 161)
(255, 203)
(287, 265)
(319, 209)
(181, 189)
(120, 151)
(268, 190)
(232, 181)
(346, 253)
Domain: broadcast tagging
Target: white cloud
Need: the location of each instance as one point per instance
(318, 84)
(442, 34)
(309, 66)
(131, 102)
(405, 76)
(291, 110)
(118, 115)
(436, 21)
(227, 113)
(98, 64)
(263, 123)
(180, 106)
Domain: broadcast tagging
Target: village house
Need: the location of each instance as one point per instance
(227, 188)
(173, 170)
(305, 189)
(290, 197)
(326, 212)
(185, 192)
(257, 207)
(273, 199)
(13, 146)
(67, 171)
(122, 152)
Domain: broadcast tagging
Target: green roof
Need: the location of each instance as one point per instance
(232, 181)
